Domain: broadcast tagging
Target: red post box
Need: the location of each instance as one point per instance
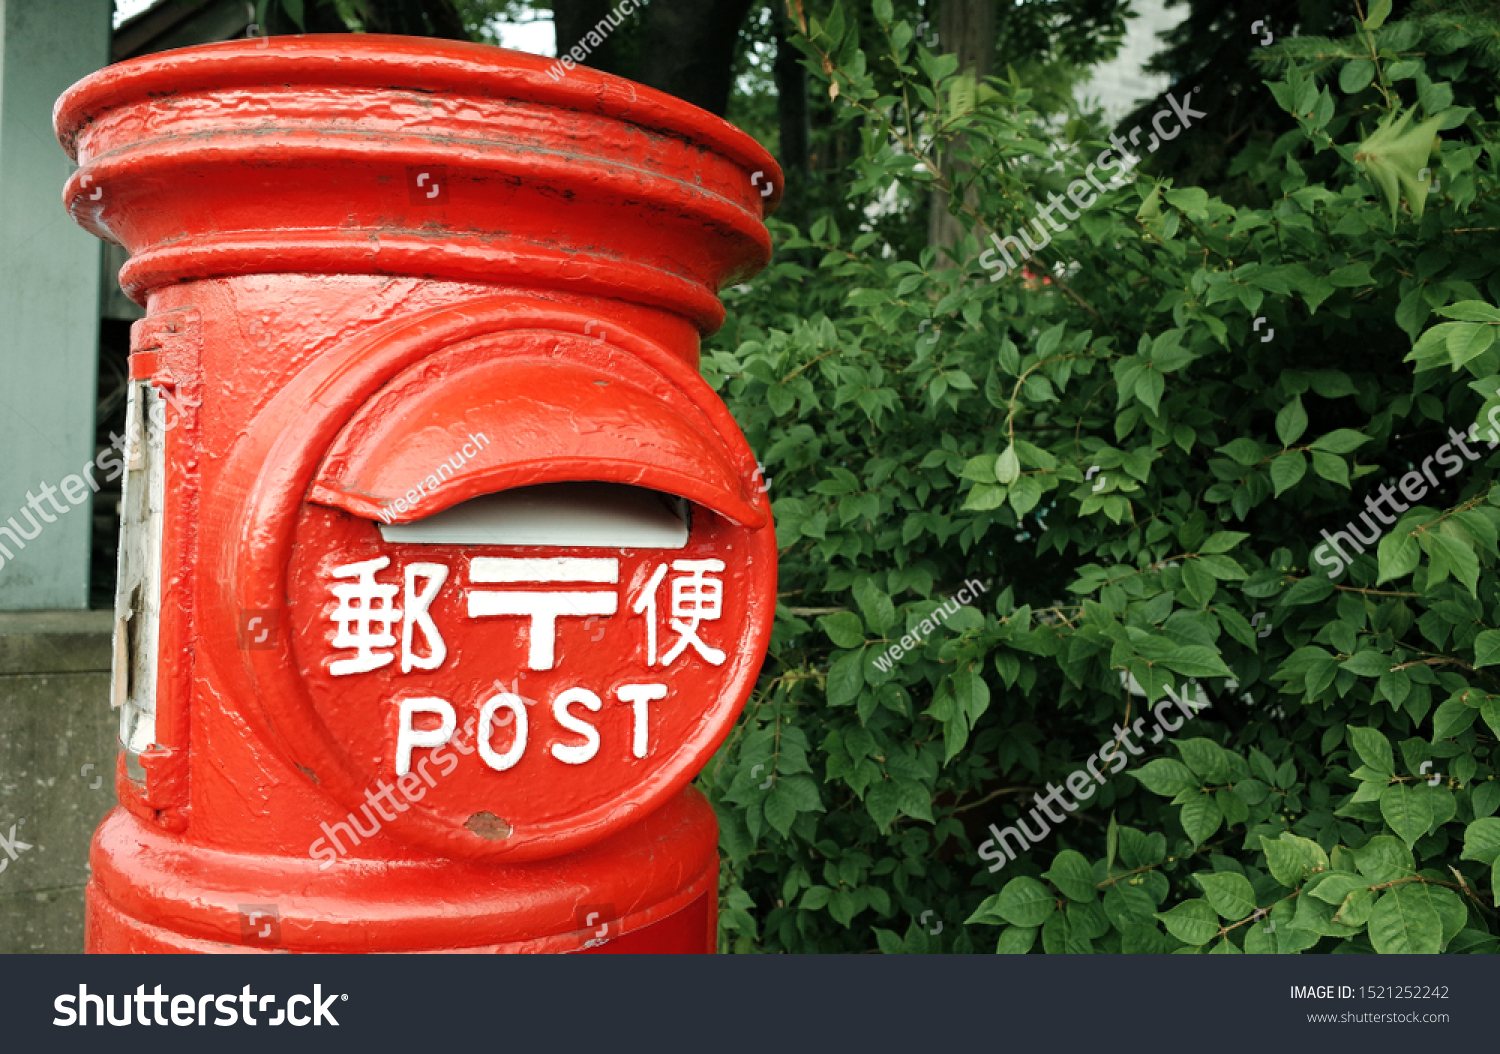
(443, 571)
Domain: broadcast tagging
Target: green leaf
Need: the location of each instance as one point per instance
(1331, 467)
(1407, 811)
(1025, 902)
(1399, 554)
(1264, 938)
(1290, 858)
(1008, 466)
(1251, 791)
(1384, 859)
(1368, 663)
(1243, 451)
(1486, 800)
(1058, 937)
(879, 612)
(846, 678)
(1455, 557)
(890, 944)
(1471, 311)
(1200, 818)
(1291, 422)
(1373, 749)
(1380, 10)
(1073, 877)
(1206, 758)
(1284, 862)
(1394, 154)
(1139, 850)
(1451, 908)
(781, 809)
(1222, 542)
(1200, 584)
(1467, 342)
(1166, 777)
(1405, 923)
(1016, 940)
(1452, 718)
(1125, 904)
(1287, 471)
(1192, 922)
(1232, 806)
(1487, 648)
(882, 802)
(843, 906)
(971, 694)
(843, 628)
(1482, 841)
(1188, 199)
(987, 913)
(1025, 495)
(985, 497)
(1196, 661)
(1310, 590)
(1341, 441)
(816, 898)
(1337, 885)
(1356, 76)
(1351, 276)
(1229, 892)
(1355, 908)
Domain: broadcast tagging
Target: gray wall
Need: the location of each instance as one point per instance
(49, 298)
(57, 740)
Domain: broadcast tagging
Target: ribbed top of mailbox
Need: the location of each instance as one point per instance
(404, 156)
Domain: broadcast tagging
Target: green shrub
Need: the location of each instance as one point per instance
(1141, 474)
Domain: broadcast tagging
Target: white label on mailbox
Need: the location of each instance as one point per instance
(138, 595)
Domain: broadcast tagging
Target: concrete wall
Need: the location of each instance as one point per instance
(49, 299)
(57, 762)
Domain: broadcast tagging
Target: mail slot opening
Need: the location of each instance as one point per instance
(599, 515)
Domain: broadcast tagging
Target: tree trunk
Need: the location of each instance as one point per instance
(411, 18)
(792, 116)
(416, 18)
(574, 18)
(966, 28)
(686, 47)
(689, 49)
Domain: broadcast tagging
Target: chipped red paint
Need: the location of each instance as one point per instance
(357, 252)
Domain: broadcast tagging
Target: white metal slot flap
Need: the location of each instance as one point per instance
(594, 515)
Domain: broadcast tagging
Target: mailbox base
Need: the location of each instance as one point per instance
(652, 888)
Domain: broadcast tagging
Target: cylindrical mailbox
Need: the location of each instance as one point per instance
(443, 572)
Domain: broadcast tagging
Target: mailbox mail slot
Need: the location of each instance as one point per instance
(595, 677)
(607, 515)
